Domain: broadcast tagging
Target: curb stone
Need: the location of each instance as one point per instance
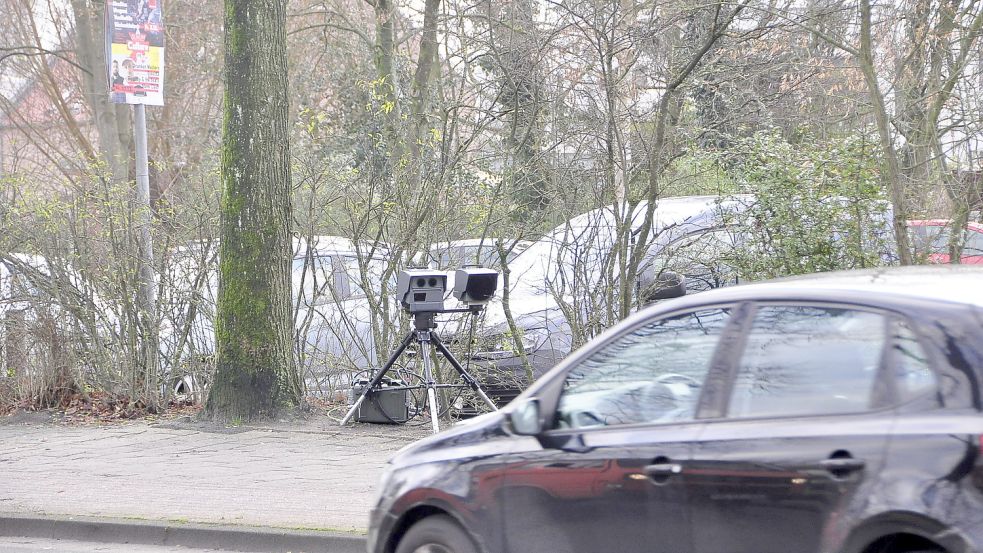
(199, 536)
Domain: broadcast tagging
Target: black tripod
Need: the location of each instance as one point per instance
(424, 336)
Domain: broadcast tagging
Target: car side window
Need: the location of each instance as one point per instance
(352, 270)
(974, 243)
(913, 374)
(314, 280)
(653, 374)
(801, 360)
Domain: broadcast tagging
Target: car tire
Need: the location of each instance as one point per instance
(436, 534)
(183, 386)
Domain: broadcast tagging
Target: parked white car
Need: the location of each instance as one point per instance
(560, 289)
(565, 275)
(336, 327)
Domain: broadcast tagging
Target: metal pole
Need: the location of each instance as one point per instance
(428, 379)
(147, 301)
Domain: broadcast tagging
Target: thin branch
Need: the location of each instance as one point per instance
(33, 51)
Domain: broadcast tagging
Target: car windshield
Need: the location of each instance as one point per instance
(484, 254)
(580, 245)
(577, 252)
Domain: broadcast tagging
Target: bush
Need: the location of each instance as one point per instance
(814, 207)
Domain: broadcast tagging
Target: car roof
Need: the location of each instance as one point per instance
(948, 283)
(334, 245)
(320, 246)
(470, 242)
(668, 211)
(682, 214)
(33, 260)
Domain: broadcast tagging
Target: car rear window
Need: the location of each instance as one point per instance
(802, 360)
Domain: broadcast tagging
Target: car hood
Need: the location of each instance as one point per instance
(481, 436)
(519, 306)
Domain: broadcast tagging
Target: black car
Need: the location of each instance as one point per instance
(833, 413)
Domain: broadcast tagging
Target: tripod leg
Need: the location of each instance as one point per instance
(431, 385)
(468, 379)
(432, 399)
(378, 377)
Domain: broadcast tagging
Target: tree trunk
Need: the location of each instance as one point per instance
(254, 375)
(388, 82)
(892, 170)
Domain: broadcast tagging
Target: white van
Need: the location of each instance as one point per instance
(333, 320)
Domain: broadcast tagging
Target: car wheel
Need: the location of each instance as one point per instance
(189, 386)
(436, 534)
(184, 386)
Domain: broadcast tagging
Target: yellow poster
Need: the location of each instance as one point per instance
(135, 51)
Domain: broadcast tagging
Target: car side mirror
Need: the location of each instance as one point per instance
(663, 285)
(525, 418)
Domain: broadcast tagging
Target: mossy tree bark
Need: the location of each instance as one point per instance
(255, 376)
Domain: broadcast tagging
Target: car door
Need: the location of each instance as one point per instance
(607, 477)
(804, 430)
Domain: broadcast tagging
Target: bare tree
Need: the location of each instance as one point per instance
(915, 75)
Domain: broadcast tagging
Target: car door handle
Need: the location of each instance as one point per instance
(660, 472)
(841, 466)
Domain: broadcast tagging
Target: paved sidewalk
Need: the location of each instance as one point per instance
(308, 475)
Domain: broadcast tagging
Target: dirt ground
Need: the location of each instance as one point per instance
(322, 417)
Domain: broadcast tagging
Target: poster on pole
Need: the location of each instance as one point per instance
(135, 51)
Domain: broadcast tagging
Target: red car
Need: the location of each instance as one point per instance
(930, 239)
